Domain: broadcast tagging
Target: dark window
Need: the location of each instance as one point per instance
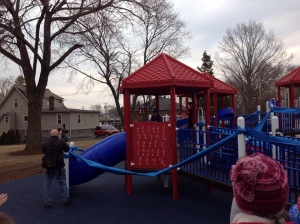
(59, 119)
(25, 118)
(79, 118)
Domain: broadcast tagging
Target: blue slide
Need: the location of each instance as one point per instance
(109, 152)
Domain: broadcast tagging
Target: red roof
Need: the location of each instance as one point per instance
(220, 86)
(291, 78)
(157, 76)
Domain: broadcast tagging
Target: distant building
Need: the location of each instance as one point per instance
(164, 109)
(14, 114)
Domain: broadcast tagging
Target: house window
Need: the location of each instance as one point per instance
(47, 102)
(25, 118)
(79, 118)
(6, 119)
(59, 119)
(15, 102)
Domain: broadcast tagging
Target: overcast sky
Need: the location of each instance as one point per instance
(207, 20)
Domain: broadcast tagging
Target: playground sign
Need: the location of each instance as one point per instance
(151, 145)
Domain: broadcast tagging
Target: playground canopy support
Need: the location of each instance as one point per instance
(163, 75)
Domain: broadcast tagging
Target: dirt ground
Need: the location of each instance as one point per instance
(15, 163)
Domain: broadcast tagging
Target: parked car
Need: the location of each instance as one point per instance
(105, 130)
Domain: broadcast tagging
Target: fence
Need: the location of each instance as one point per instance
(217, 164)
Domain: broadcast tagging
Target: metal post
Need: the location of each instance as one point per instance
(274, 127)
(258, 109)
(167, 117)
(67, 168)
(204, 141)
(241, 138)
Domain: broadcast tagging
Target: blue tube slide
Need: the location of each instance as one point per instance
(109, 152)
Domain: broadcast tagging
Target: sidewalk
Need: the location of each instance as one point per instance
(104, 200)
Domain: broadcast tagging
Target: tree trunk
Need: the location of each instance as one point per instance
(34, 131)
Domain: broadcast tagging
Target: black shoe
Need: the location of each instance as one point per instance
(47, 206)
(68, 202)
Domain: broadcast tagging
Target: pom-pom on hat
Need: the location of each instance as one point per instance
(260, 185)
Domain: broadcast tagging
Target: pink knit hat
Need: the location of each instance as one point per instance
(260, 185)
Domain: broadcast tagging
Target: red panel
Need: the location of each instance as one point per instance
(151, 145)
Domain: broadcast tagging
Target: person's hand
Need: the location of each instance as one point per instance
(3, 198)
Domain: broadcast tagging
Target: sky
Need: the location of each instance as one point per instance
(207, 21)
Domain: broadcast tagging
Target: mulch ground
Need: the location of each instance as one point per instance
(24, 153)
(14, 175)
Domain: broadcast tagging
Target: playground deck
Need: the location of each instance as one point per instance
(104, 200)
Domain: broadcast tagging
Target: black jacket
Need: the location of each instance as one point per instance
(60, 146)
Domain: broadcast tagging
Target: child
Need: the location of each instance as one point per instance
(4, 219)
(260, 190)
(295, 212)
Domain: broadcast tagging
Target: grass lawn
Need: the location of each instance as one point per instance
(15, 164)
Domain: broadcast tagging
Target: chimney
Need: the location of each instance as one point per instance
(51, 103)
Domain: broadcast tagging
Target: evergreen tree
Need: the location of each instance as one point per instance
(20, 80)
(17, 138)
(2, 139)
(207, 64)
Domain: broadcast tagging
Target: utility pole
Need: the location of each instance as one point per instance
(105, 111)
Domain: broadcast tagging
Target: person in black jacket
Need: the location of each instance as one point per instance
(62, 135)
(58, 170)
(156, 116)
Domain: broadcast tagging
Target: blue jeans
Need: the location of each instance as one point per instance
(60, 174)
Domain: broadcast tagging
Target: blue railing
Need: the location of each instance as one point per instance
(217, 164)
(287, 122)
(252, 120)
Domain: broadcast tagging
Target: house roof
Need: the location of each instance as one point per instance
(6, 113)
(291, 78)
(158, 75)
(164, 104)
(67, 110)
(22, 90)
(11, 90)
(48, 93)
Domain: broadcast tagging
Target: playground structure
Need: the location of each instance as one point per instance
(204, 152)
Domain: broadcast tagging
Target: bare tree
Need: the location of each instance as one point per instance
(159, 29)
(105, 51)
(5, 85)
(112, 51)
(99, 108)
(29, 33)
(252, 60)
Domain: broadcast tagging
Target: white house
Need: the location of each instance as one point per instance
(14, 114)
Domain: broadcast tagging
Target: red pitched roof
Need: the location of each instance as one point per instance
(291, 78)
(157, 76)
(220, 86)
